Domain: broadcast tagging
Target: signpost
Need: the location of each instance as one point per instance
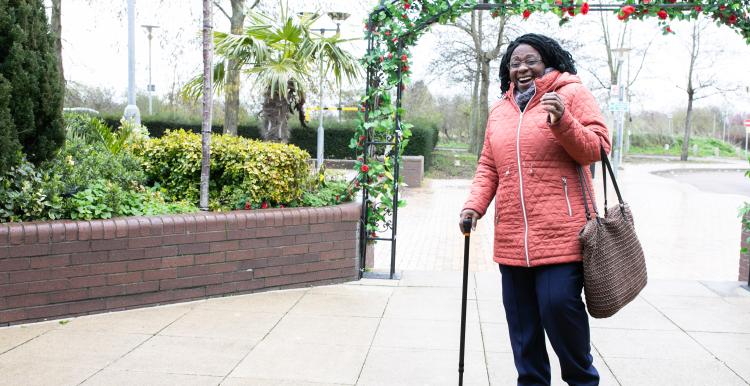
(746, 123)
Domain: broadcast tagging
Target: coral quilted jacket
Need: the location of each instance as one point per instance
(529, 167)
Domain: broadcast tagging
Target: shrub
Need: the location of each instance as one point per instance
(29, 67)
(103, 199)
(240, 168)
(158, 126)
(22, 193)
(8, 136)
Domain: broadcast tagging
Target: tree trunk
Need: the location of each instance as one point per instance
(208, 50)
(474, 119)
(484, 90)
(275, 118)
(56, 24)
(694, 49)
(232, 87)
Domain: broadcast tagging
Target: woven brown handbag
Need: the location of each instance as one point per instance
(614, 268)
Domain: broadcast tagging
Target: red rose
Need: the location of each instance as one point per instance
(395, 40)
(407, 6)
(732, 19)
(247, 205)
(364, 168)
(390, 55)
(406, 68)
(362, 138)
(646, 1)
(382, 58)
(628, 10)
(662, 14)
(558, 2)
(585, 8)
(337, 198)
(526, 13)
(668, 29)
(281, 206)
(404, 58)
(373, 234)
(621, 16)
(387, 33)
(722, 7)
(698, 8)
(264, 205)
(671, 1)
(571, 11)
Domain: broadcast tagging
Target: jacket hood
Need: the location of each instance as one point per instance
(550, 81)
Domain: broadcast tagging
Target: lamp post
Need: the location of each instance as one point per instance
(339, 17)
(621, 106)
(131, 111)
(151, 88)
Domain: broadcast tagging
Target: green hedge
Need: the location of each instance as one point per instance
(242, 170)
(337, 135)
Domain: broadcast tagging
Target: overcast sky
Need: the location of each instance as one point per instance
(95, 49)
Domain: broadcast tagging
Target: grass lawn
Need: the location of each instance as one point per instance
(450, 164)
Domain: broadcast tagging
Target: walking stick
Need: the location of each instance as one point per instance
(466, 225)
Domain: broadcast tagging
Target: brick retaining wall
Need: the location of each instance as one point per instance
(65, 268)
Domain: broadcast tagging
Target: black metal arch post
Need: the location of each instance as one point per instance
(395, 141)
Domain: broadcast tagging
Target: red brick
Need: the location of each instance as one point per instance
(89, 257)
(222, 246)
(251, 220)
(108, 291)
(294, 250)
(70, 271)
(323, 228)
(156, 226)
(46, 311)
(191, 249)
(109, 230)
(238, 276)
(71, 230)
(320, 247)
(137, 288)
(139, 300)
(207, 280)
(43, 233)
(146, 264)
(210, 236)
(293, 269)
(282, 280)
(126, 254)
(12, 316)
(219, 289)
(281, 260)
(216, 257)
(250, 285)
(144, 226)
(144, 242)
(69, 247)
(27, 300)
(15, 264)
(308, 238)
(200, 223)
(178, 261)
(29, 250)
(199, 270)
(180, 225)
(345, 244)
(16, 234)
(121, 227)
(87, 306)
(4, 278)
(306, 258)
(133, 227)
(278, 218)
(332, 255)
(97, 229)
(337, 236)
(84, 230)
(27, 276)
(240, 255)
(252, 264)
(88, 281)
(281, 241)
(108, 268)
(109, 244)
(14, 289)
(182, 282)
(230, 221)
(158, 274)
(190, 293)
(269, 232)
(50, 261)
(288, 218)
(267, 272)
(161, 251)
(167, 225)
(4, 251)
(253, 243)
(69, 295)
(178, 239)
(124, 278)
(241, 234)
(49, 286)
(4, 234)
(267, 252)
(57, 230)
(29, 233)
(304, 215)
(216, 222)
(296, 230)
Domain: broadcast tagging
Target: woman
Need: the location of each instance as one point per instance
(544, 127)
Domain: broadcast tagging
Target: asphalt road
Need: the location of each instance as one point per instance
(714, 181)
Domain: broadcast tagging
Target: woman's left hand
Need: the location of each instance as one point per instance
(555, 106)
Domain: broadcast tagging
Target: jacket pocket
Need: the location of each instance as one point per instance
(567, 197)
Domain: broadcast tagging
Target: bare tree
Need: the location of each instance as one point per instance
(55, 23)
(232, 85)
(208, 50)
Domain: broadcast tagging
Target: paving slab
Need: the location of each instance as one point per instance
(110, 377)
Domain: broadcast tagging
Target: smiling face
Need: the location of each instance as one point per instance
(525, 65)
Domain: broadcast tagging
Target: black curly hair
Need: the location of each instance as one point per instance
(553, 55)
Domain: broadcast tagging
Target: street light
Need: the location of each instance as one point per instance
(131, 111)
(321, 130)
(151, 88)
(620, 107)
(339, 17)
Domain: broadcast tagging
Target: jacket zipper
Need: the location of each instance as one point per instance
(520, 187)
(567, 199)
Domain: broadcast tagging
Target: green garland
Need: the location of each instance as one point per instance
(402, 19)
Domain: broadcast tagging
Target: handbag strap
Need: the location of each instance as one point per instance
(586, 189)
(606, 165)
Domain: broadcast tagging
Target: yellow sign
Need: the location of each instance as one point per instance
(309, 109)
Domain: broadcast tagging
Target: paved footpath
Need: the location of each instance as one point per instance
(690, 326)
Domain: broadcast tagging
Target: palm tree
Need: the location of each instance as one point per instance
(280, 53)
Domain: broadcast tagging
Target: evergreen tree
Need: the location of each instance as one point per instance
(29, 66)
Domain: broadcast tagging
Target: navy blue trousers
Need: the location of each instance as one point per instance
(548, 299)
